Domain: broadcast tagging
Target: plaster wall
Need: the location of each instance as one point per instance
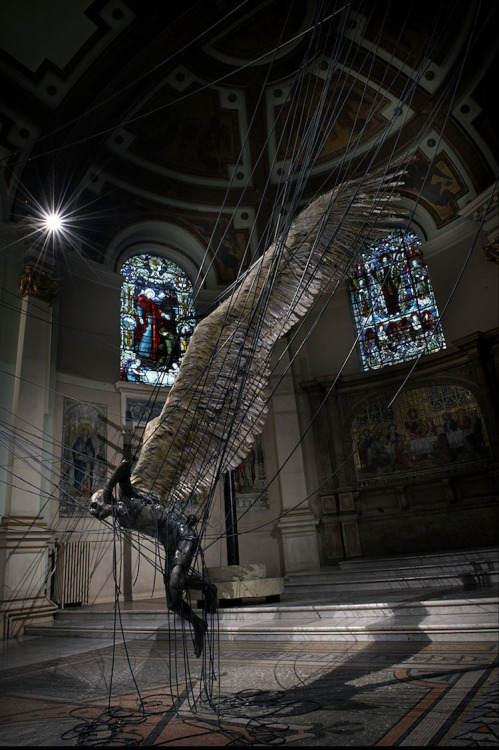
(466, 284)
(89, 326)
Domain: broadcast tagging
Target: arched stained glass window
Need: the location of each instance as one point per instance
(393, 302)
(157, 319)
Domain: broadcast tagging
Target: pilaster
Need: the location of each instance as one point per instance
(24, 552)
(297, 524)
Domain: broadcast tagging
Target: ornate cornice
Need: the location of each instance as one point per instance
(36, 283)
(491, 251)
(485, 210)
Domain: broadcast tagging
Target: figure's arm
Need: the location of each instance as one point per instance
(102, 500)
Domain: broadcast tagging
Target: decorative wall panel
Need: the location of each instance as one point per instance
(413, 466)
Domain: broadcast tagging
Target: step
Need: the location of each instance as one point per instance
(399, 562)
(432, 631)
(421, 620)
(444, 596)
(275, 612)
(417, 571)
(334, 584)
(467, 568)
(335, 588)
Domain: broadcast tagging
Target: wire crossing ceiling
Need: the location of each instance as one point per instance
(195, 113)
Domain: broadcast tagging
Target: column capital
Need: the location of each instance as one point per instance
(37, 283)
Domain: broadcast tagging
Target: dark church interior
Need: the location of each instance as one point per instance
(249, 383)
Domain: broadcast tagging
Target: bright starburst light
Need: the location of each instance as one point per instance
(53, 222)
(57, 229)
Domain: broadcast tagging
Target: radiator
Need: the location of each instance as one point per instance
(72, 573)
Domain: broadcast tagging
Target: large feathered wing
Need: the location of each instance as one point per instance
(218, 402)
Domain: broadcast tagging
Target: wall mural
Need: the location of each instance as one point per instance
(83, 459)
(425, 428)
(437, 185)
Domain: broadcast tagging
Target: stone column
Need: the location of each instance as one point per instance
(23, 533)
(297, 524)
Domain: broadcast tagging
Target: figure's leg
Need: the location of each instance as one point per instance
(177, 574)
(201, 583)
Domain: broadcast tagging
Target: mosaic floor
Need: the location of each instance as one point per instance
(146, 693)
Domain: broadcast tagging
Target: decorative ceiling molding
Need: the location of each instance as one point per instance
(180, 114)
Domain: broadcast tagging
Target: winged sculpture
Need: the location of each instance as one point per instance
(218, 402)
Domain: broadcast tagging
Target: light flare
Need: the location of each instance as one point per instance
(53, 221)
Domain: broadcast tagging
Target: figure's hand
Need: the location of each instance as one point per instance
(99, 508)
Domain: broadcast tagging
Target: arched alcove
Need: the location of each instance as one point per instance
(172, 242)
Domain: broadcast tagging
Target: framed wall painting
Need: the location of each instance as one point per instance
(430, 428)
(83, 457)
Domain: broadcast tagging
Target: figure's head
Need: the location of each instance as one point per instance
(99, 506)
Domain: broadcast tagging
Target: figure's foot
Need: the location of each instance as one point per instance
(200, 629)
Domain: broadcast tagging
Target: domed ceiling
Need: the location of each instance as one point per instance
(206, 116)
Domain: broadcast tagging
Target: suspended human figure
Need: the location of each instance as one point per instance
(218, 402)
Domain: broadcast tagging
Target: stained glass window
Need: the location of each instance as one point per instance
(157, 319)
(393, 303)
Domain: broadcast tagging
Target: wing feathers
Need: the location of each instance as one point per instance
(218, 402)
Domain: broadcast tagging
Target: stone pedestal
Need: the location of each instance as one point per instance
(245, 583)
(299, 540)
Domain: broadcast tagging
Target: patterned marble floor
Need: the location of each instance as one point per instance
(145, 692)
